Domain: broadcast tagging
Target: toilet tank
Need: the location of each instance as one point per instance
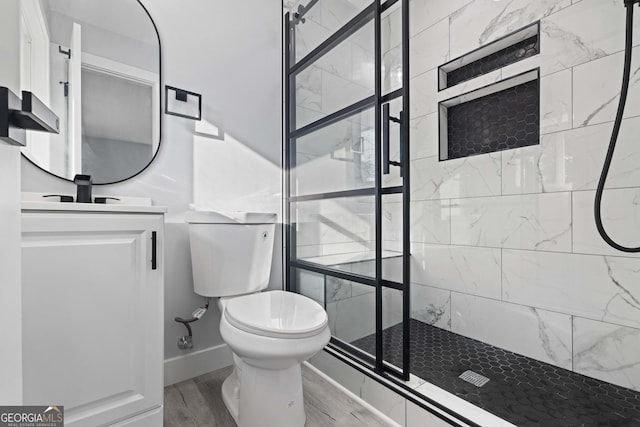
(230, 252)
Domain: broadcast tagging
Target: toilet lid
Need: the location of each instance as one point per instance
(276, 314)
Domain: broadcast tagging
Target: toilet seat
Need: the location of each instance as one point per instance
(276, 314)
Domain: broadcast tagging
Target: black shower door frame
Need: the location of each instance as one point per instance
(372, 12)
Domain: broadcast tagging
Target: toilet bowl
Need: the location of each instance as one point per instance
(270, 333)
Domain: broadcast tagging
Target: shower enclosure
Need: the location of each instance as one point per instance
(442, 159)
(347, 155)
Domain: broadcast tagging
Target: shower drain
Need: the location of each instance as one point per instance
(474, 378)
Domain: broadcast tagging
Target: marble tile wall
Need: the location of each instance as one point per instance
(504, 245)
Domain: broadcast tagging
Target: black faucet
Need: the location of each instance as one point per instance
(83, 183)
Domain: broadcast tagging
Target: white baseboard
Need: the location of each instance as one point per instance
(194, 364)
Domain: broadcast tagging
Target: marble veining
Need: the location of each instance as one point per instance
(608, 352)
(465, 269)
(466, 177)
(482, 21)
(309, 89)
(431, 305)
(551, 344)
(634, 78)
(430, 221)
(501, 324)
(571, 43)
(622, 293)
(597, 87)
(337, 289)
(540, 222)
(607, 287)
(424, 136)
(621, 217)
(572, 160)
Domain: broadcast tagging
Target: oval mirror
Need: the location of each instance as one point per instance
(96, 64)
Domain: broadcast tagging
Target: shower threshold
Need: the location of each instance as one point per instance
(521, 390)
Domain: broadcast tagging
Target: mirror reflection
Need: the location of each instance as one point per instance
(96, 64)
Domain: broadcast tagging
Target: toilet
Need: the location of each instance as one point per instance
(270, 333)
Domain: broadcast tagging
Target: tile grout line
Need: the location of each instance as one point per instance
(450, 225)
(572, 359)
(487, 196)
(572, 222)
(531, 251)
(501, 276)
(450, 310)
(573, 99)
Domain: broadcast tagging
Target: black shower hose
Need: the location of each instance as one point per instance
(616, 130)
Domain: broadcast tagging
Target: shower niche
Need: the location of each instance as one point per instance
(500, 116)
(497, 117)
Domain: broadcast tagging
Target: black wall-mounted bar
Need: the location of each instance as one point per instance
(35, 115)
(10, 132)
(17, 116)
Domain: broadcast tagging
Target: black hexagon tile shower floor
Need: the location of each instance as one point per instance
(521, 390)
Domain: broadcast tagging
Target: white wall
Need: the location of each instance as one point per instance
(10, 272)
(230, 53)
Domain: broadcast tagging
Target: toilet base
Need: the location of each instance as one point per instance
(230, 395)
(267, 397)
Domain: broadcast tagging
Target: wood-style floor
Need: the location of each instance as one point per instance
(198, 403)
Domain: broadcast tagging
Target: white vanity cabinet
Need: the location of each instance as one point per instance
(93, 302)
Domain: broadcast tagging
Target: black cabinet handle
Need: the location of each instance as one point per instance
(154, 250)
(386, 118)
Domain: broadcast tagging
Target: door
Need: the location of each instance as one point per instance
(93, 314)
(34, 72)
(75, 101)
(347, 182)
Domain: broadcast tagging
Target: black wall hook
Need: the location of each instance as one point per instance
(67, 53)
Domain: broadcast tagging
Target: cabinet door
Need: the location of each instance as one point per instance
(92, 314)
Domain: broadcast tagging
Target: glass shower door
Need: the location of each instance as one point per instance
(346, 184)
